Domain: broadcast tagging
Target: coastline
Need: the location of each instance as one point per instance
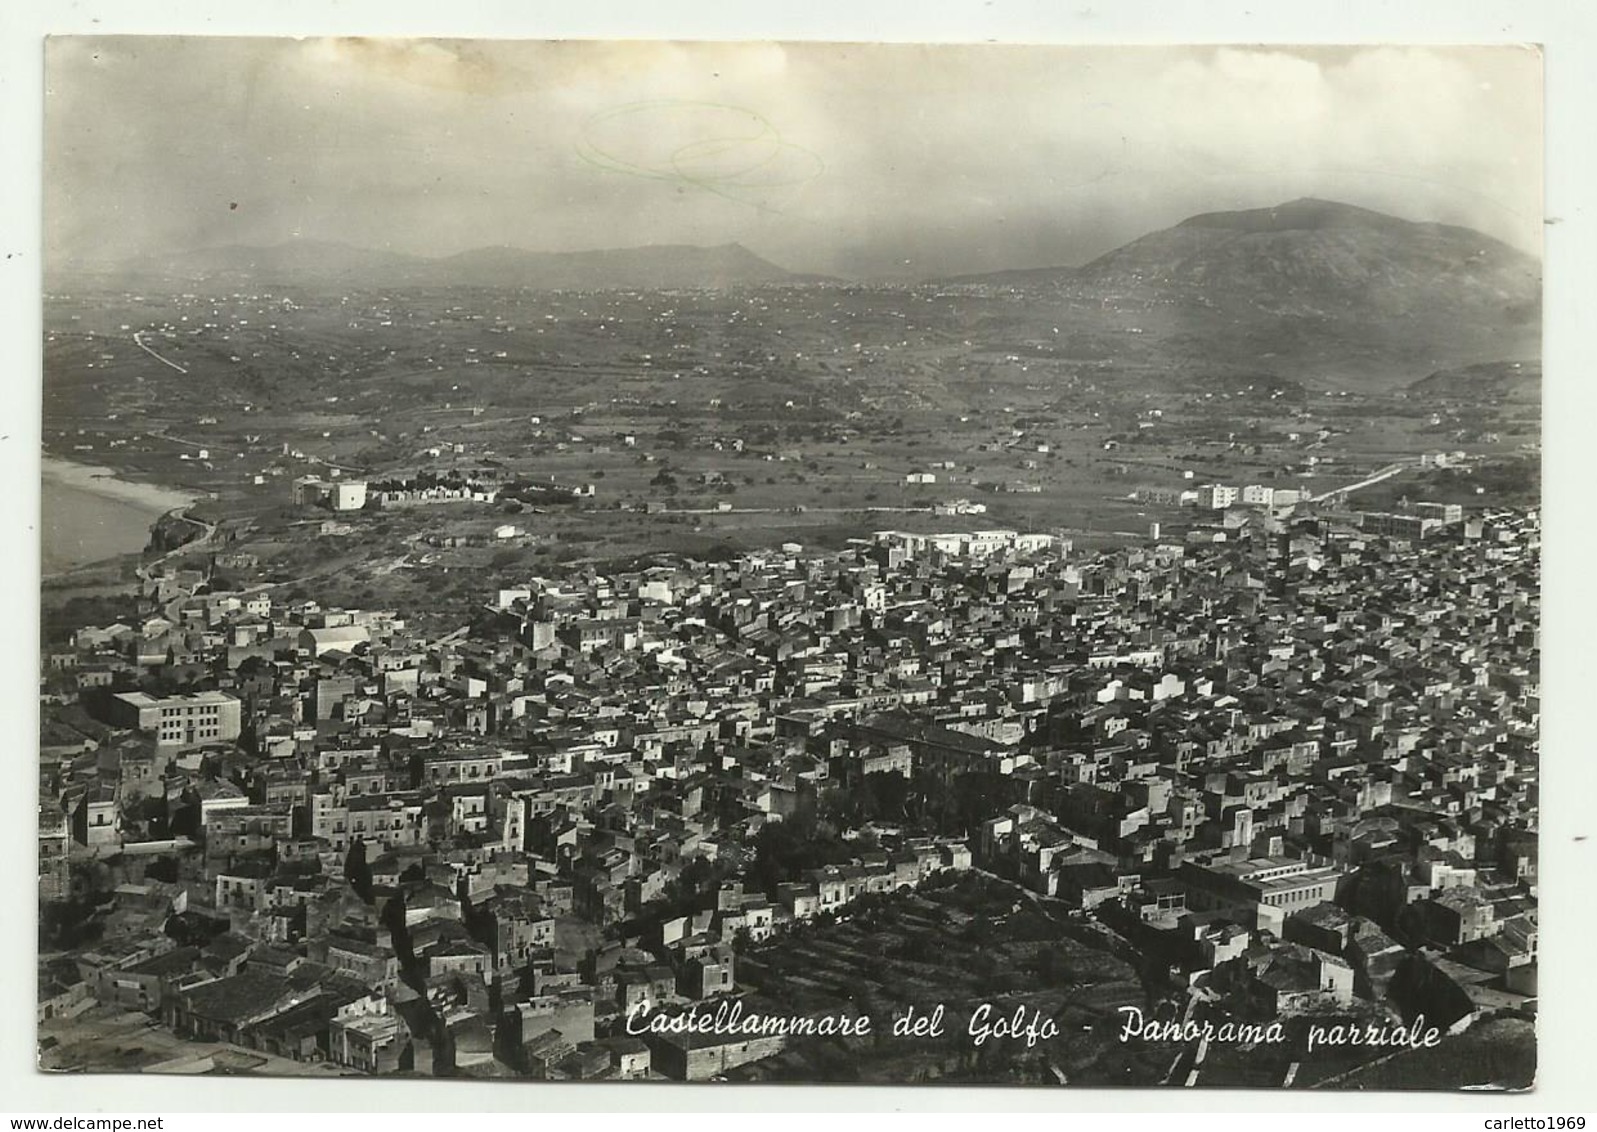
(106, 483)
(89, 516)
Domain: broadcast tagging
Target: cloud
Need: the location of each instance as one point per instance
(824, 157)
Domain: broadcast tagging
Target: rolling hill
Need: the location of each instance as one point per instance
(1308, 287)
(1312, 255)
(322, 263)
(1314, 291)
(1517, 383)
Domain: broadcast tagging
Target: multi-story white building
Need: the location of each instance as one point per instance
(340, 495)
(347, 495)
(181, 720)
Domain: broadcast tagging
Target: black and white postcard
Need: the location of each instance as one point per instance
(790, 562)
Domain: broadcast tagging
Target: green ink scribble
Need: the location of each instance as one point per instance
(734, 153)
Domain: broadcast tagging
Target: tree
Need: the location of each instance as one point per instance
(887, 796)
(842, 807)
(1051, 966)
(785, 850)
(148, 812)
(696, 876)
(358, 872)
(163, 869)
(65, 924)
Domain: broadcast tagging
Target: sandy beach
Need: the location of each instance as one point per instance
(104, 483)
(90, 515)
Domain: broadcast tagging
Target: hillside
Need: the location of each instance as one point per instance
(321, 264)
(1312, 255)
(1331, 292)
(651, 268)
(1515, 382)
(1315, 292)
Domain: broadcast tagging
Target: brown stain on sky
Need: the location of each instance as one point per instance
(496, 68)
(436, 64)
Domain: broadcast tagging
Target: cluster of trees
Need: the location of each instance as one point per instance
(57, 623)
(1051, 967)
(925, 802)
(66, 924)
(784, 851)
(878, 797)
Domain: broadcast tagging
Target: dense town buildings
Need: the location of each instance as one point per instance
(1292, 755)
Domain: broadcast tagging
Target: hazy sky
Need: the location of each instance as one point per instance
(835, 158)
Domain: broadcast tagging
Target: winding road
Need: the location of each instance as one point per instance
(139, 342)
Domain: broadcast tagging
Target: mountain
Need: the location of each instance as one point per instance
(322, 263)
(1511, 382)
(1312, 285)
(1307, 249)
(1312, 291)
(1310, 254)
(656, 267)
